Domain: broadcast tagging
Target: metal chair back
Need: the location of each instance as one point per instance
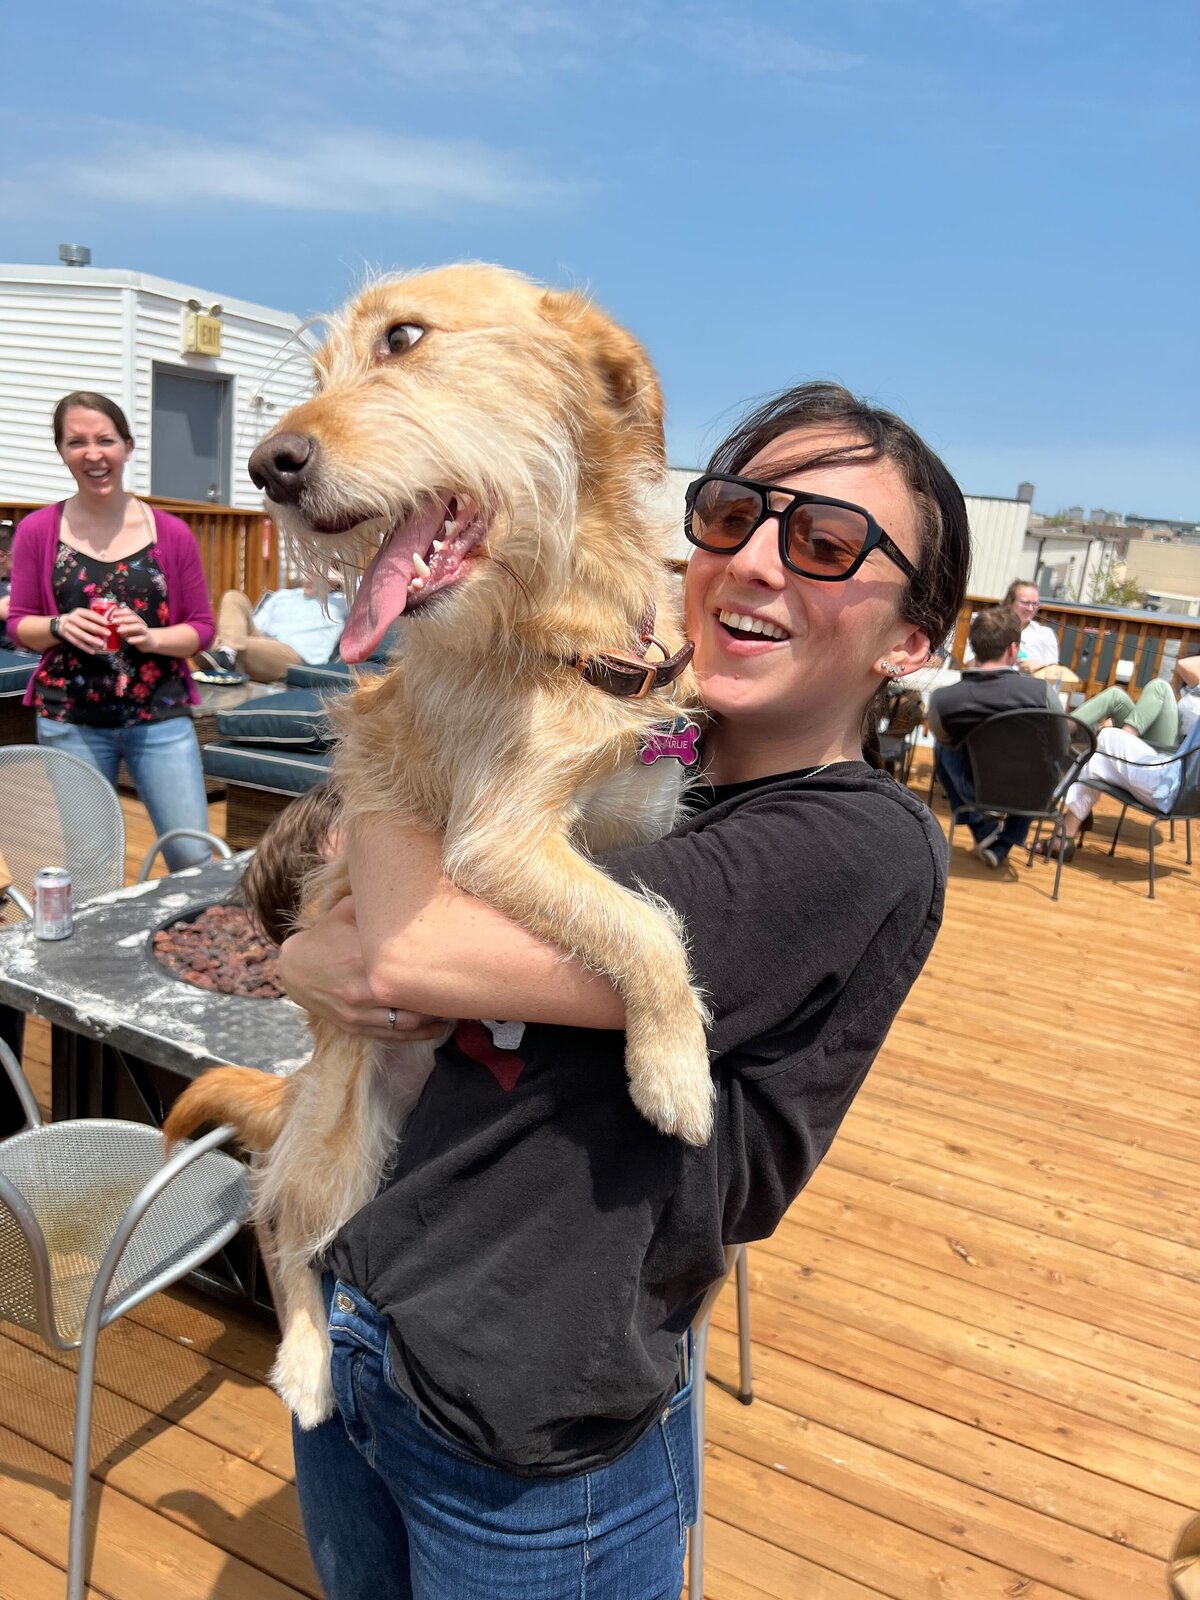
(1022, 761)
(57, 811)
(94, 1218)
(1184, 807)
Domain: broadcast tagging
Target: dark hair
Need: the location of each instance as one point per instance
(992, 631)
(933, 598)
(1017, 583)
(88, 400)
(272, 886)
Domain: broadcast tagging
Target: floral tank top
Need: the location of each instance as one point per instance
(119, 687)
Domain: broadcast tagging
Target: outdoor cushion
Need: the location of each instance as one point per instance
(330, 674)
(295, 719)
(16, 669)
(290, 772)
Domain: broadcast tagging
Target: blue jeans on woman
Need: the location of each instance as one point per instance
(164, 762)
(395, 1510)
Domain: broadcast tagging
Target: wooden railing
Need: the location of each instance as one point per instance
(1092, 642)
(238, 549)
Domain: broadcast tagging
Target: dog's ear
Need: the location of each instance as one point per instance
(627, 380)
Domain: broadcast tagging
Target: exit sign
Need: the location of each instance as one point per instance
(201, 334)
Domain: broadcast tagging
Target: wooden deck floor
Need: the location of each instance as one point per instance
(974, 1335)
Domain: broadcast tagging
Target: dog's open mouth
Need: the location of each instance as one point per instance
(420, 557)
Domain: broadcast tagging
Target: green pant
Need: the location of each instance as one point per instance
(1155, 717)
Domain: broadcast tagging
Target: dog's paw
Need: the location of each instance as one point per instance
(676, 1094)
(300, 1377)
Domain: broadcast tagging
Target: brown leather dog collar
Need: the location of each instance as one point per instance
(632, 676)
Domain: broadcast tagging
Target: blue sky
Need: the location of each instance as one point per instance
(983, 213)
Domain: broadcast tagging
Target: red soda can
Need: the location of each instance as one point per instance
(53, 917)
(104, 610)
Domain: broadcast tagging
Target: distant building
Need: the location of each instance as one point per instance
(201, 378)
(1161, 524)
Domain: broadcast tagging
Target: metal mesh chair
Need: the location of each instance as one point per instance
(56, 810)
(92, 1222)
(735, 1262)
(1021, 765)
(1185, 807)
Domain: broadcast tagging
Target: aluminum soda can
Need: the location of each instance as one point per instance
(52, 914)
(104, 610)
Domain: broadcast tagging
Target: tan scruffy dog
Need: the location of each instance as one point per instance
(487, 449)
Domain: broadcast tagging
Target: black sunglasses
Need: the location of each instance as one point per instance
(818, 538)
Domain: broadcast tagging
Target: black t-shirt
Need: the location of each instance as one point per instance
(539, 1248)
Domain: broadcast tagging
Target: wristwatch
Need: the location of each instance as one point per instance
(56, 627)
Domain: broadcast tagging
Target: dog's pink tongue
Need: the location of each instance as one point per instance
(383, 588)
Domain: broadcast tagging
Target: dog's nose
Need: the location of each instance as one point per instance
(282, 465)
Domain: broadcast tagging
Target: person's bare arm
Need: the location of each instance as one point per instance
(180, 639)
(81, 628)
(427, 948)
(1189, 671)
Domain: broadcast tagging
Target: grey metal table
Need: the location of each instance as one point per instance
(127, 1036)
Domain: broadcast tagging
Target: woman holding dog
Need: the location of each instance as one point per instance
(114, 596)
(507, 1313)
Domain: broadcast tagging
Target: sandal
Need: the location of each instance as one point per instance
(1057, 845)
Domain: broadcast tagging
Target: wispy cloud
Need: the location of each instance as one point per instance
(345, 170)
(745, 44)
(417, 45)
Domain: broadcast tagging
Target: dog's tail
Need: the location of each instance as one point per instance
(253, 1101)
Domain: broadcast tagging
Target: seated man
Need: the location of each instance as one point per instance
(287, 627)
(991, 685)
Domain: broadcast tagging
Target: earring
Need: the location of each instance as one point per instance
(890, 668)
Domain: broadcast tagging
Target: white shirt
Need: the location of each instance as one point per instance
(1189, 711)
(1039, 645)
(299, 619)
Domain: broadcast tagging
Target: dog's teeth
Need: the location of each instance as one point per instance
(417, 583)
(437, 545)
(448, 526)
(420, 565)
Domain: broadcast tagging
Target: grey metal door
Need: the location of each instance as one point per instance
(189, 437)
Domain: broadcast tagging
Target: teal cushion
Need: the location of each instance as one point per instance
(290, 772)
(295, 719)
(331, 674)
(16, 669)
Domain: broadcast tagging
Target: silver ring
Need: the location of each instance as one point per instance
(391, 1019)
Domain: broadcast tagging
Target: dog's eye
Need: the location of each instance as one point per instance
(401, 338)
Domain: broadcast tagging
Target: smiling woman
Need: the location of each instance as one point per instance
(506, 1313)
(114, 597)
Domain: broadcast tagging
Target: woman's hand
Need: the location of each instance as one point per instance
(133, 628)
(84, 630)
(323, 971)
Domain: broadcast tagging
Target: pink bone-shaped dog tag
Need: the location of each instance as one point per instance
(676, 742)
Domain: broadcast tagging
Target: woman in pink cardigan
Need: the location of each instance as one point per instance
(114, 597)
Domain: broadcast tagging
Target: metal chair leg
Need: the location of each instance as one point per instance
(1152, 827)
(745, 1376)
(695, 1572)
(80, 1465)
(1117, 830)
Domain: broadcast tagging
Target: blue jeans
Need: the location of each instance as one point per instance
(395, 1510)
(164, 762)
(954, 775)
